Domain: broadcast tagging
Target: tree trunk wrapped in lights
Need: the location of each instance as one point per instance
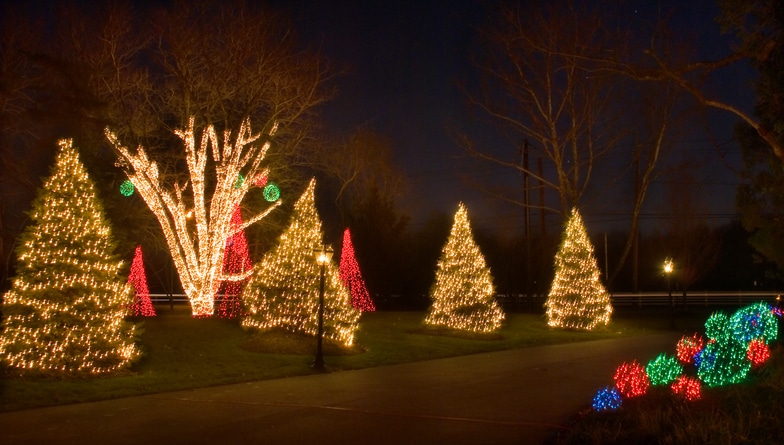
(463, 292)
(577, 298)
(196, 226)
(64, 312)
(284, 289)
(351, 276)
(142, 305)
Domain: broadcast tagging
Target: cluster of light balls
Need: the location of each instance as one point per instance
(577, 298)
(463, 292)
(735, 345)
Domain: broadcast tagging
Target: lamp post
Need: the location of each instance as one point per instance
(323, 258)
(668, 268)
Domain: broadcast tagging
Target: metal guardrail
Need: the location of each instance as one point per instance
(627, 299)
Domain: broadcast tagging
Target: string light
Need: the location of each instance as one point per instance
(271, 192)
(64, 312)
(631, 379)
(236, 266)
(757, 352)
(463, 292)
(127, 188)
(142, 305)
(689, 347)
(351, 276)
(283, 291)
(607, 399)
(577, 298)
(687, 387)
(196, 244)
(663, 369)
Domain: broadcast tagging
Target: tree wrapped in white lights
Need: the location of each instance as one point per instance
(196, 217)
(64, 312)
(577, 298)
(284, 289)
(463, 292)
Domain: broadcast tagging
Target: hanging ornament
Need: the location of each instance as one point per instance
(260, 180)
(271, 192)
(127, 188)
(240, 181)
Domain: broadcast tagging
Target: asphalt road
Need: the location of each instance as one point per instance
(511, 397)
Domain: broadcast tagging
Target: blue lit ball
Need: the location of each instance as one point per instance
(754, 322)
(607, 399)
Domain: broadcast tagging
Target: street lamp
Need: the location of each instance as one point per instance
(323, 258)
(668, 268)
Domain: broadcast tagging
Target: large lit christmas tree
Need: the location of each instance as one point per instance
(463, 292)
(64, 312)
(577, 298)
(352, 276)
(142, 305)
(236, 268)
(283, 291)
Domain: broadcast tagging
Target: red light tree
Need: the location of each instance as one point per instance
(236, 269)
(351, 276)
(142, 305)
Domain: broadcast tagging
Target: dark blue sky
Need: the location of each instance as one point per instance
(402, 59)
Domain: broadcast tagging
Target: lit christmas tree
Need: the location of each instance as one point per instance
(236, 268)
(283, 291)
(577, 297)
(351, 276)
(463, 292)
(64, 312)
(142, 305)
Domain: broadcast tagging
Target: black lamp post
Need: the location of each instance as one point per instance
(324, 256)
(668, 268)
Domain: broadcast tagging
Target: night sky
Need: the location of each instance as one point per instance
(402, 60)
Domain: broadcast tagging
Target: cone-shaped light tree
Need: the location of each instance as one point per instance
(577, 298)
(64, 312)
(236, 268)
(142, 305)
(196, 215)
(352, 276)
(463, 292)
(283, 291)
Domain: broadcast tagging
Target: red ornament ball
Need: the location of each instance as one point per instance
(687, 387)
(631, 379)
(688, 347)
(758, 352)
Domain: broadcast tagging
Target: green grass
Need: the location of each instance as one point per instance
(181, 352)
(750, 412)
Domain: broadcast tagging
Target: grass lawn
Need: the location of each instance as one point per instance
(181, 352)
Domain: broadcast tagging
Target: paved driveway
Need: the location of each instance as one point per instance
(509, 397)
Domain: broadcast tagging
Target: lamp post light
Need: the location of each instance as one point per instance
(323, 258)
(668, 268)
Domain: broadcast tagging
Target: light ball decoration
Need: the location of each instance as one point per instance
(757, 352)
(688, 348)
(463, 293)
(271, 192)
(64, 313)
(631, 379)
(663, 369)
(260, 180)
(754, 322)
(577, 298)
(717, 327)
(723, 362)
(127, 188)
(607, 399)
(687, 387)
(283, 292)
(239, 182)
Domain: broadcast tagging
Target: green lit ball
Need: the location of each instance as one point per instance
(723, 362)
(271, 192)
(240, 180)
(663, 369)
(754, 322)
(717, 326)
(127, 188)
